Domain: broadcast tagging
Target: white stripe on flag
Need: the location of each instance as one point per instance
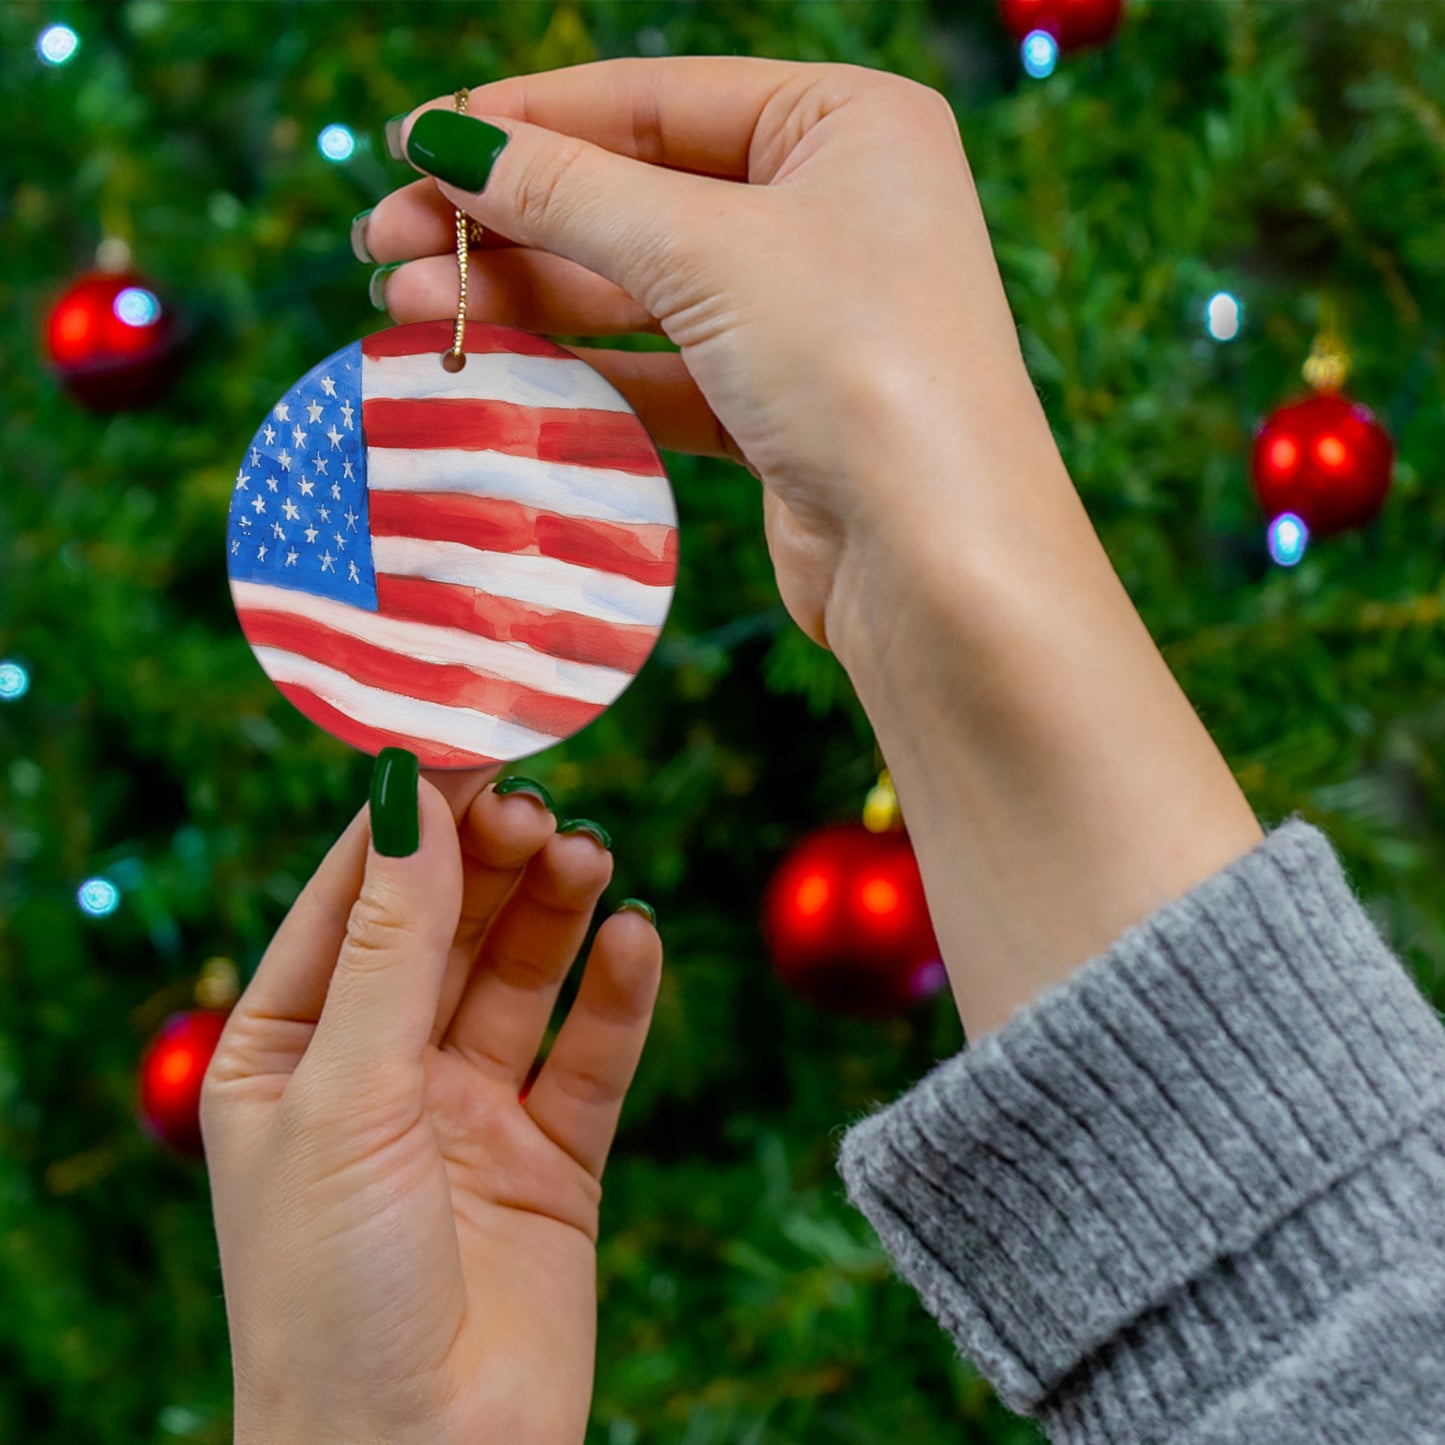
(510, 661)
(596, 493)
(457, 727)
(544, 581)
(492, 376)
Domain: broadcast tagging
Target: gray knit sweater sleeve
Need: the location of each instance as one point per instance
(1197, 1191)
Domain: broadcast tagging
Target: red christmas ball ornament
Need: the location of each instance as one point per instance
(171, 1072)
(1073, 23)
(112, 341)
(847, 924)
(1326, 459)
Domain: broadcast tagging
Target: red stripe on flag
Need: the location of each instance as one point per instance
(645, 552)
(577, 436)
(372, 740)
(482, 337)
(447, 683)
(569, 635)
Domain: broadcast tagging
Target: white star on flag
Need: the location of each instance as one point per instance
(269, 434)
(277, 532)
(340, 541)
(348, 473)
(259, 504)
(347, 411)
(355, 576)
(241, 479)
(298, 437)
(291, 510)
(284, 457)
(313, 411)
(236, 545)
(328, 562)
(350, 520)
(291, 557)
(245, 521)
(328, 386)
(306, 487)
(261, 554)
(272, 483)
(311, 534)
(325, 514)
(335, 492)
(320, 463)
(283, 412)
(334, 436)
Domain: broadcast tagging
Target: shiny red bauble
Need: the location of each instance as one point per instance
(112, 341)
(1324, 458)
(1073, 23)
(171, 1072)
(847, 924)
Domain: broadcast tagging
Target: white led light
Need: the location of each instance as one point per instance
(1288, 537)
(336, 143)
(137, 307)
(98, 897)
(1223, 316)
(57, 44)
(1040, 53)
(14, 681)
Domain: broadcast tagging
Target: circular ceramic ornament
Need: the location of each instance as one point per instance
(469, 564)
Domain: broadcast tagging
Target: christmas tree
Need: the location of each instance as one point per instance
(1212, 161)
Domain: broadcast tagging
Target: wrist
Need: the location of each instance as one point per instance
(1056, 782)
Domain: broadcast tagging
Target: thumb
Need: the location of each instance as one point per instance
(633, 223)
(382, 999)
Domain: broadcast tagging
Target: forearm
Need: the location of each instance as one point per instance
(1057, 785)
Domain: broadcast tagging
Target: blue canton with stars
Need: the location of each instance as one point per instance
(298, 514)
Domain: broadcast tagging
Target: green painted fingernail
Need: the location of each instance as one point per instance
(393, 136)
(533, 789)
(455, 148)
(586, 825)
(376, 288)
(395, 812)
(359, 248)
(636, 905)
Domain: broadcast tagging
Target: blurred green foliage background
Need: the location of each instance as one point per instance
(1285, 152)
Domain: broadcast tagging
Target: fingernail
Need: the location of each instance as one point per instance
(526, 785)
(586, 825)
(636, 905)
(455, 148)
(393, 137)
(376, 288)
(359, 247)
(395, 814)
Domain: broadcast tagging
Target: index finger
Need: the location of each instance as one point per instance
(695, 113)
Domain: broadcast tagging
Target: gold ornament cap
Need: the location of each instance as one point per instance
(881, 812)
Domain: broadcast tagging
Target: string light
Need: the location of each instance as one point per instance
(1040, 52)
(14, 681)
(137, 307)
(336, 143)
(98, 897)
(1223, 316)
(57, 44)
(1288, 537)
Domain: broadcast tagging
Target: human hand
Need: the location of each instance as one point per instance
(830, 313)
(407, 1246)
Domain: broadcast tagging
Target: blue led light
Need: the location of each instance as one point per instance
(137, 307)
(336, 143)
(14, 681)
(1223, 316)
(98, 897)
(57, 44)
(1288, 537)
(1040, 53)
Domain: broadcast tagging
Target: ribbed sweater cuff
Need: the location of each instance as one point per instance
(1145, 1164)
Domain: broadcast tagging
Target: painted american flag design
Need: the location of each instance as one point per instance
(471, 565)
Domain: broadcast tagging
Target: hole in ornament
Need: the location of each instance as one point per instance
(453, 360)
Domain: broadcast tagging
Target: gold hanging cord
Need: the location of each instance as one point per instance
(469, 232)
